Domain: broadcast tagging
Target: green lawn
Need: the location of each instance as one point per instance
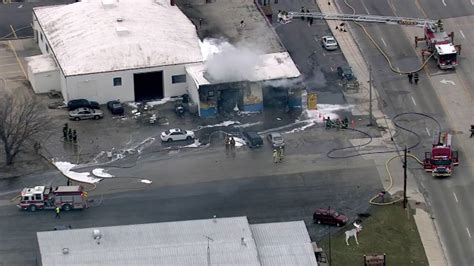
(390, 230)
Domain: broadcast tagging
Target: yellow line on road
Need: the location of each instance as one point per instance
(17, 59)
(13, 31)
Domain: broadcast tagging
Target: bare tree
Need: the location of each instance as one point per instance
(21, 118)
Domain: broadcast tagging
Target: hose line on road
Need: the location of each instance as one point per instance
(372, 200)
(394, 119)
(387, 58)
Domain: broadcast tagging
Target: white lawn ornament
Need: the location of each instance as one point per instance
(353, 233)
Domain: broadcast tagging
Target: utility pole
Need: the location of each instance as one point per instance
(208, 250)
(370, 96)
(405, 178)
(330, 258)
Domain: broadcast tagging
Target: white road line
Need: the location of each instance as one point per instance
(399, 73)
(455, 197)
(383, 42)
(413, 100)
(468, 233)
(444, 3)
(427, 131)
(462, 34)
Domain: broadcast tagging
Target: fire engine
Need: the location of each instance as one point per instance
(442, 159)
(440, 45)
(44, 198)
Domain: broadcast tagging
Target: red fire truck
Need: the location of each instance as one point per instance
(43, 198)
(442, 159)
(440, 44)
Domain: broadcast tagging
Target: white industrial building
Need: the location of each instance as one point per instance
(103, 50)
(218, 241)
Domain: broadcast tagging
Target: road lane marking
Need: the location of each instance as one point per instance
(399, 72)
(413, 100)
(468, 233)
(384, 42)
(462, 34)
(444, 3)
(428, 132)
(17, 59)
(455, 197)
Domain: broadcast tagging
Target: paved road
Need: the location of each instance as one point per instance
(450, 198)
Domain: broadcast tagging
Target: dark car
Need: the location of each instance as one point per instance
(345, 72)
(115, 107)
(329, 216)
(276, 140)
(252, 139)
(82, 103)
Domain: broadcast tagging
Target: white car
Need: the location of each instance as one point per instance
(85, 113)
(175, 134)
(329, 43)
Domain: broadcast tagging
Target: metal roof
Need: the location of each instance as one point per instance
(175, 243)
(286, 243)
(99, 36)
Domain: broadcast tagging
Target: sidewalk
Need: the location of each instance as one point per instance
(360, 100)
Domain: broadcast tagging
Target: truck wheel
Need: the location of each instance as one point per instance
(169, 140)
(32, 208)
(76, 119)
(96, 117)
(67, 207)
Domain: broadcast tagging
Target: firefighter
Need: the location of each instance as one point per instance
(232, 143)
(416, 78)
(410, 77)
(280, 153)
(65, 129)
(302, 11)
(328, 123)
(57, 210)
(472, 131)
(74, 136)
(275, 156)
(69, 135)
(227, 141)
(345, 122)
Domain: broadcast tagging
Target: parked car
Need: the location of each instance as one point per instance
(85, 113)
(276, 140)
(115, 107)
(176, 134)
(62, 227)
(345, 72)
(329, 43)
(329, 216)
(82, 103)
(252, 139)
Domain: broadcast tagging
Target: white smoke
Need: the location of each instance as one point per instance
(226, 62)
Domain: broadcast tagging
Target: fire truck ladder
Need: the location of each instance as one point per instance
(363, 18)
(441, 139)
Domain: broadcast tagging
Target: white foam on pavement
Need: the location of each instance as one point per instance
(195, 144)
(239, 142)
(222, 124)
(312, 117)
(100, 172)
(85, 177)
(146, 181)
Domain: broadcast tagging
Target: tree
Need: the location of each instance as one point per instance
(21, 118)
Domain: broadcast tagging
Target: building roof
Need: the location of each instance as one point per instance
(231, 242)
(270, 67)
(291, 244)
(41, 63)
(99, 36)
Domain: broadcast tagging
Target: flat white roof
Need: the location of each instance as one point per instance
(175, 243)
(270, 67)
(41, 63)
(99, 36)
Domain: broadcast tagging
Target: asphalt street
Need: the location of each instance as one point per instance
(18, 16)
(450, 199)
